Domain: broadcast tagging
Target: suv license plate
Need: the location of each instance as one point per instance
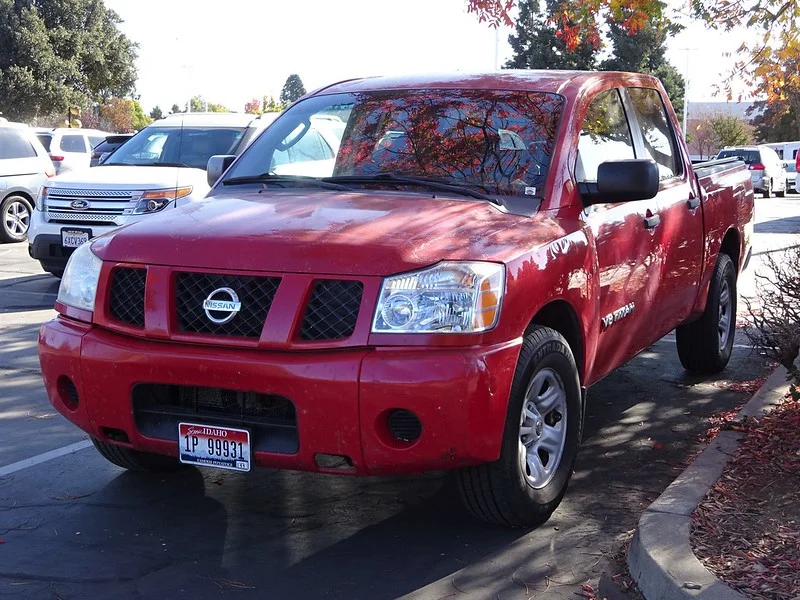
(72, 239)
(214, 446)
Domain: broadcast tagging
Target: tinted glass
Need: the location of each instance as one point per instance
(605, 135)
(96, 139)
(659, 140)
(499, 141)
(73, 143)
(790, 167)
(166, 146)
(14, 145)
(45, 139)
(310, 147)
(748, 156)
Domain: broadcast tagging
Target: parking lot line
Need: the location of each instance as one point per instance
(44, 457)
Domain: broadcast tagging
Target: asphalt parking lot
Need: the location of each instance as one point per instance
(74, 526)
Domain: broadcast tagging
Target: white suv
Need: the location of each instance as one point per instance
(69, 149)
(161, 167)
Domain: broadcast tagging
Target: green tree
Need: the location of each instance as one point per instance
(538, 45)
(175, 109)
(730, 131)
(775, 121)
(156, 113)
(54, 53)
(139, 120)
(292, 89)
(270, 105)
(644, 51)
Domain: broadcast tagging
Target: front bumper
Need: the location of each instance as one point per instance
(342, 398)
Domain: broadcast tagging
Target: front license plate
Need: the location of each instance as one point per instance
(211, 446)
(72, 238)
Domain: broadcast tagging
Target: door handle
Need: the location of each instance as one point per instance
(693, 203)
(652, 222)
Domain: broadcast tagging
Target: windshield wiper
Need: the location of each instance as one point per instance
(283, 180)
(433, 184)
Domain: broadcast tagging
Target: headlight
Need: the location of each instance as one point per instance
(79, 283)
(41, 199)
(156, 200)
(451, 297)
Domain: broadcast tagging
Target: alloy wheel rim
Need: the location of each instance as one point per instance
(17, 218)
(543, 428)
(725, 314)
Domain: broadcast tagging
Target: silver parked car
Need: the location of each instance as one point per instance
(791, 176)
(766, 168)
(70, 149)
(24, 167)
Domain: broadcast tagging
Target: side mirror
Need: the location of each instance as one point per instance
(217, 165)
(625, 181)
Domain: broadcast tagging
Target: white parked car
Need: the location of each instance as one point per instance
(69, 149)
(161, 167)
(766, 168)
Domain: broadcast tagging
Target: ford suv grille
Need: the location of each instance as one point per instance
(332, 312)
(127, 295)
(254, 294)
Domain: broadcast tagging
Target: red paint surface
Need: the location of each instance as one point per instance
(592, 262)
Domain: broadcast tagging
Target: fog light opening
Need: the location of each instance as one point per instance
(115, 435)
(67, 392)
(338, 462)
(404, 425)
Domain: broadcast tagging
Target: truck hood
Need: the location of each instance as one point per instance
(128, 178)
(326, 232)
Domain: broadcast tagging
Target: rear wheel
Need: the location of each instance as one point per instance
(705, 345)
(768, 190)
(540, 439)
(134, 460)
(15, 213)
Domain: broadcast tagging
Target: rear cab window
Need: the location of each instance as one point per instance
(45, 139)
(657, 134)
(748, 156)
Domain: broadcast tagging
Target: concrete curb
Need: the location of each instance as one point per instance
(660, 558)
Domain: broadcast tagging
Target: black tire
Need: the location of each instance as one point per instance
(780, 194)
(768, 190)
(134, 460)
(15, 219)
(499, 492)
(702, 347)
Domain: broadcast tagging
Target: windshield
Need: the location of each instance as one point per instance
(498, 141)
(189, 146)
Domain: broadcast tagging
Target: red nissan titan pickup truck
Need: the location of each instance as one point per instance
(403, 275)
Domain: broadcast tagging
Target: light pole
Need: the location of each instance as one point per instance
(686, 89)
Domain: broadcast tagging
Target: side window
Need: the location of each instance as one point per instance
(95, 140)
(605, 135)
(73, 143)
(14, 145)
(659, 139)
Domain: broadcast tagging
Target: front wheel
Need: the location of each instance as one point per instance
(767, 190)
(135, 460)
(540, 439)
(15, 212)
(705, 345)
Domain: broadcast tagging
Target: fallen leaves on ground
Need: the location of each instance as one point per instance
(747, 530)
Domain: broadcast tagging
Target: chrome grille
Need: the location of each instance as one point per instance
(104, 205)
(76, 215)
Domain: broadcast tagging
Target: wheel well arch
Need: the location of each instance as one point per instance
(22, 193)
(731, 246)
(562, 317)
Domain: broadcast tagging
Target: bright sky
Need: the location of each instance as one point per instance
(241, 49)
